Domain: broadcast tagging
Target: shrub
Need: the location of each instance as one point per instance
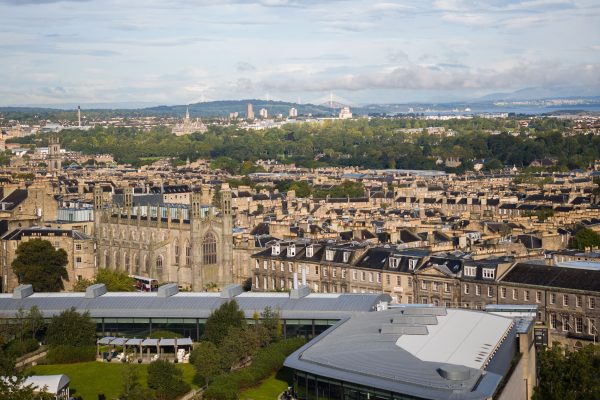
(65, 354)
(167, 380)
(17, 348)
(164, 334)
(264, 363)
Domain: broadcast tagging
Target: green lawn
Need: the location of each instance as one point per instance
(270, 388)
(90, 378)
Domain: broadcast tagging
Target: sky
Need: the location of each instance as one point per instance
(184, 51)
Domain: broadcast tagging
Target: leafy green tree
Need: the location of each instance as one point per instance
(167, 380)
(115, 281)
(71, 328)
(82, 284)
(585, 238)
(569, 375)
(41, 265)
(222, 320)
(35, 321)
(206, 358)
(238, 347)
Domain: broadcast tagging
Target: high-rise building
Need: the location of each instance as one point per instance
(345, 113)
(263, 113)
(250, 112)
(293, 112)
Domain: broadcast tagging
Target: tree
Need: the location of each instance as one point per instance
(221, 320)
(12, 384)
(166, 380)
(41, 265)
(271, 321)
(35, 321)
(82, 284)
(238, 346)
(115, 281)
(569, 375)
(206, 358)
(71, 328)
(585, 238)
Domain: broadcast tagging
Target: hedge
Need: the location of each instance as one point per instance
(264, 363)
(65, 354)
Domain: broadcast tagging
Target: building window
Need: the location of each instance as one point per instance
(316, 270)
(470, 271)
(310, 251)
(434, 286)
(424, 285)
(412, 264)
(467, 288)
(578, 324)
(78, 247)
(276, 249)
(424, 300)
(209, 249)
(398, 280)
(592, 303)
(291, 251)
(552, 298)
(354, 275)
(565, 300)
(553, 321)
(378, 277)
(370, 277)
(159, 266)
(592, 327)
(325, 272)
(514, 294)
(489, 273)
(477, 290)
(334, 272)
(387, 280)
(329, 255)
(410, 282)
(578, 301)
(290, 267)
(446, 287)
(565, 323)
(394, 262)
(489, 291)
(188, 254)
(177, 254)
(265, 264)
(346, 256)
(503, 292)
(77, 261)
(538, 297)
(526, 295)
(362, 275)
(410, 299)
(344, 273)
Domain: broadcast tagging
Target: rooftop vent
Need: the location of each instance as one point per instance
(454, 372)
(22, 291)
(94, 291)
(230, 291)
(167, 290)
(299, 293)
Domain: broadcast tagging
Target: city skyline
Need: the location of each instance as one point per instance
(179, 51)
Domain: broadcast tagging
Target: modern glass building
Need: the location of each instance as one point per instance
(137, 314)
(418, 352)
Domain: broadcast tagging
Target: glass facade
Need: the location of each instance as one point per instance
(194, 327)
(312, 387)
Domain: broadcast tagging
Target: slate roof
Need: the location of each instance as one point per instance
(554, 276)
(15, 198)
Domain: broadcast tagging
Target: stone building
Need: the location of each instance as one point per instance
(79, 247)
(191, 245)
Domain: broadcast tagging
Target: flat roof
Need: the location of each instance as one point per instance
(192, 304)
(409, 351)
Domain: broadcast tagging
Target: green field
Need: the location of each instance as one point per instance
(91, 378)
(270, 388)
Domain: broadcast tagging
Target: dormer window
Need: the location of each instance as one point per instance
(291, 251)
(329, 255)
(412, 264)
(470, 271)
(489, 273)
(394, 262)
(276, 249)
(310, 251)
(346, 256)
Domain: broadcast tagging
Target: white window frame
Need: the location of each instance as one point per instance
(470, 271)
(489, 273)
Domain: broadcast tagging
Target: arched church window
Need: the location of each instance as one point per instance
(159, 266)
(176, 252)
(209, 249)
(188, 254)
(136, 263)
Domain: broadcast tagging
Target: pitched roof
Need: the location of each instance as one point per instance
(554, 276)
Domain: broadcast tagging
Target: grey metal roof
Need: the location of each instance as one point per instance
(192, 304)
(361, 349)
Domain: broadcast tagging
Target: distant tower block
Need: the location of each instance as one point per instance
(79, 116)
(54, 160)
(250, 112)
(263, 113)
(293, 112)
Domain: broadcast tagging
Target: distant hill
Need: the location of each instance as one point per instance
(223, 108)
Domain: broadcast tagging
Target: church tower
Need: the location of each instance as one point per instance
(54, 161)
